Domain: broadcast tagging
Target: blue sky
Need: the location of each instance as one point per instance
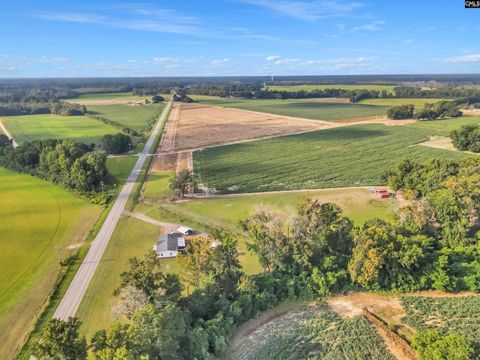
(47, 38)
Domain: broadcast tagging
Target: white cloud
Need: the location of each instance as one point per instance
(311, 10)
(272, 58)
(373, 26)
(463, 59)
(220, 62)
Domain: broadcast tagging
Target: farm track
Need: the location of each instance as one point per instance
(7, 133)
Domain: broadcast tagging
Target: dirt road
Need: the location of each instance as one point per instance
(6, 132)
(76, 291)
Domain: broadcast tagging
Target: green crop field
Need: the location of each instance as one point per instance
(46, 126)
(305, 108)
(134, 117)
(447, 314)
(311, 333)
(132, 237)
(387, 88)
(36, 217)
(418, 103)
(346, 156)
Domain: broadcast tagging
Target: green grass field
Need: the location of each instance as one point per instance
(36, 217)
(120, 167)
(346, 156)
(458, 314)
(39, 127)
(109, 96)
(310, 333)
(134, 117)
(418, 103)
(445, 126)
(132, 237)
(387, 88)
(305, 108)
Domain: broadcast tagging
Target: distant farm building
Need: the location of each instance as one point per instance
(381, 193)
(169, 245)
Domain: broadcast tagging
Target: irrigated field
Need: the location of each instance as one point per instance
(345, 156)
(134, 117)
(39, 127)
(448, 314)
(36, 219)
(310, 333)
(305, 108)
(446, 126)
(418, 103)
(387, 88)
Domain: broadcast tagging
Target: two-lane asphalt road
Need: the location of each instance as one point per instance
(75, 293)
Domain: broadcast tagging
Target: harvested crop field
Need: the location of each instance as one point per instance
(201, 126)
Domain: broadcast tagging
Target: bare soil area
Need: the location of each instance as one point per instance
(439, 142)
(201, 126)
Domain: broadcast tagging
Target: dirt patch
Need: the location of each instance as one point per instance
(164, 162)
(469, 112)
(386, 306)
(440, 294)
(439, 142)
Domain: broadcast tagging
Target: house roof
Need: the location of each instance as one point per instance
(167, 242)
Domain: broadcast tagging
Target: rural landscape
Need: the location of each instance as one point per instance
(197, 204)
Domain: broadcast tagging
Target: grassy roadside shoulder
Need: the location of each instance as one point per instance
(143, 176)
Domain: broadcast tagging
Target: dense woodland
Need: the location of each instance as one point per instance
(432, 244)
(74, 166)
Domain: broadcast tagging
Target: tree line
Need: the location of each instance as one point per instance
(29, 108)
(437, 110)
(75, 166)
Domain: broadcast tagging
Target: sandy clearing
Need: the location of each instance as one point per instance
(439, 142)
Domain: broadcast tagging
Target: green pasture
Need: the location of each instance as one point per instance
(305, 108)
(346, 156)
(388, 88)
(134, 117)
(444, 127)
(111, 96)
(418, 103)
(41, 223)
(46, 126)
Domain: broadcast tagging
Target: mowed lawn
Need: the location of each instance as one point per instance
(388, 88)
(36, 217)
(131, 238)
(346, 156)
(418, 103)
(46, 126)
(134, 117)
(305, 108)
